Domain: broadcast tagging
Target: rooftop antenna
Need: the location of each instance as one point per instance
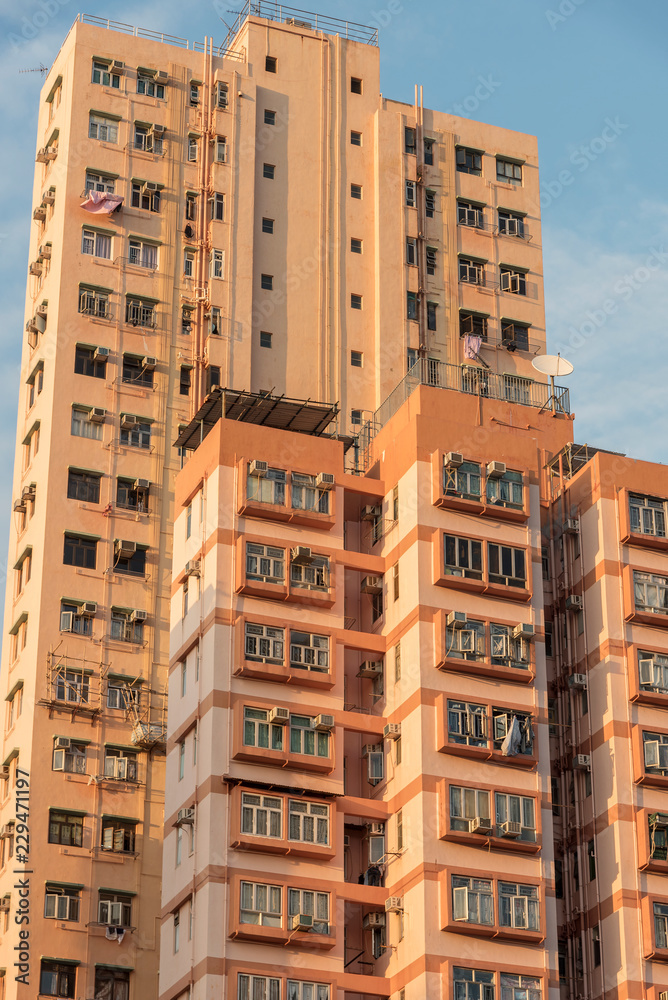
(37, 69)
(552, 365)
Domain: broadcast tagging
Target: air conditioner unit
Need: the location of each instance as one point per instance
(97, 415)
(193, 567)
(495, 470)
(35, 268)
(20, 507)
(371, 668)
(301, 922)
(371, 748)
(150, 186)
(658, 819)
(142, 484)
(138, 615)
(524, 631)
(150, 363)
(61, 743)
(185, 817)
(45, 251)
(480, 824)
(299, 24)
(280, 715)
(117, 65)
(371, 512)
(163, 75)
(574, 602)
(582, 762)
(125, 548)
(373, 920)
(8, 829)
(456, 619)
(454, 459)
(51, 152)
(511, 829)
(32, 326)
(324, 480)
(375, 829)
(101, 352)
(49, 197)
(394, 904)
(578, 682)
(88, 609)
(323, 723)
(571, 526)
(372, 585)
(128, 421)
(392, 731)
(301, 555)
(29, 492)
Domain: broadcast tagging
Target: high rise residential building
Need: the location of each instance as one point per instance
(367, 681)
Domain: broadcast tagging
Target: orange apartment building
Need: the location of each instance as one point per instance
(257, 215)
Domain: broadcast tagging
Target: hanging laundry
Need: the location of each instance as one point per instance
(111, 933)
(101, 203)
(472, 346)
(511, 745)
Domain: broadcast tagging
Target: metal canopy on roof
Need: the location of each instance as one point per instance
(300, 415)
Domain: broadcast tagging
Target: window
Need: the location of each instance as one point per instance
(184, 380)
(72, 686)
(120, 764)
(87, 361)
(462, 481)
(182, 760)
(507, 650)
(356, 359)
(411, 305)
(215, 322)
(258, 732)
(261, 815)
(431, 325)
(269, 171)
(355, 301)
(463, 557)
(140, 312)
(471, 271)
(121, 693)
(268, 488)
(473, 984)
(220, 149)
(305, 495)
(650, 593)
(66, 828)
(395, 581)
(100, 182)
(429, 152)
(356, 191)
(143, 254)
(513, 281)
(267, 282)
(470, 214)
(519, 987)
(260, 904)
(355, 245)
(71, 759)
(411, 250)
(102, 74)
(355, 85)
(409, 140)
(144, 197)
(314, 904)
(112, 983)
(148, 138)
(193, 146)
(306, 991)
(311, 576)
(355, 138)
(308, 822)
(469, 161)
(188, 263)
(220, 96)
(306, 740)
(114, 909)
(194, 94)
(508, 172)
(648, 515)
(80, 550)
(506, 565)
(466, 643)
(431, 260)
(62, 902)
(83, 426)
(467, 804)
(268, 226)
(269, 117)
(508, 491)
(467, 724)
(135, 371)
(134, 564)
(264, 643)
(138, 435)
(355, 417)
(653, 671)
(15, 707)
(270, 64)
(96, 244)
(472, 325)
(265, 563)
(512, 732)
(118, 835)
(430, 203)
(265, 339)
(376, 607)
(516, 334)
(35, 384)
(515, 809)
(216, 264)
(472, 900)
(258, 988)
(511, 224)
(83, 486)
(57, 979)
(410, 194)
(655, 753)
(519, 906)
(309, 651)
(146, 84)
(217, 210)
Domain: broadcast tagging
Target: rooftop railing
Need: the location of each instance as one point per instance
(301, 19)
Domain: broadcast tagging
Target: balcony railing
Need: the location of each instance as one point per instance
(469, 379)
(301, 19)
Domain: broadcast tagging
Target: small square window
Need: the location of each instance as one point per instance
(267, 281)
(269, 171)
(270, 64)
(265, 339)
(355, 416)
(356, 359)
(356, 138)
(355, 245)
(267, 225)
(355, 85)
(270, 117)
(355, 301)
(356, 191)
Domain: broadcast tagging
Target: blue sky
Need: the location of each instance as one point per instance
(588, 77)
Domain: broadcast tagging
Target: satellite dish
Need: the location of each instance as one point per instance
(552, 364)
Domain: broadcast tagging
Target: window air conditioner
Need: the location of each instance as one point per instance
(150, 186)
(61, 743)
(29, 492)
(163, 75)
(525, 631)
(511, 829)
(35, 268)
(142, 484)
(456, 619)
(117, 65)
(280, 716)
(373, 920)
(124, 548)
(88, 609)
(301, 555)
(20, 506)
(578, 682)
(454, 459)
(571, 526)
(193, 567)
(658, 819)
(45, 251)
(8, 829)
(480, 824)
(185, 817)
(582, 762)
(101, 352)
(323, 723)
(128, 421)
(372, 585)
(371, 668)
(392, 731)
(97, 415)
(371, 748)
(301, 922)
(394, 904)
(49, 197)
(371, 512)
(495, 470)
(138, 615)
(324, 480)
(150, 363)
(574, 602)
(295, 23)
(375, 829)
